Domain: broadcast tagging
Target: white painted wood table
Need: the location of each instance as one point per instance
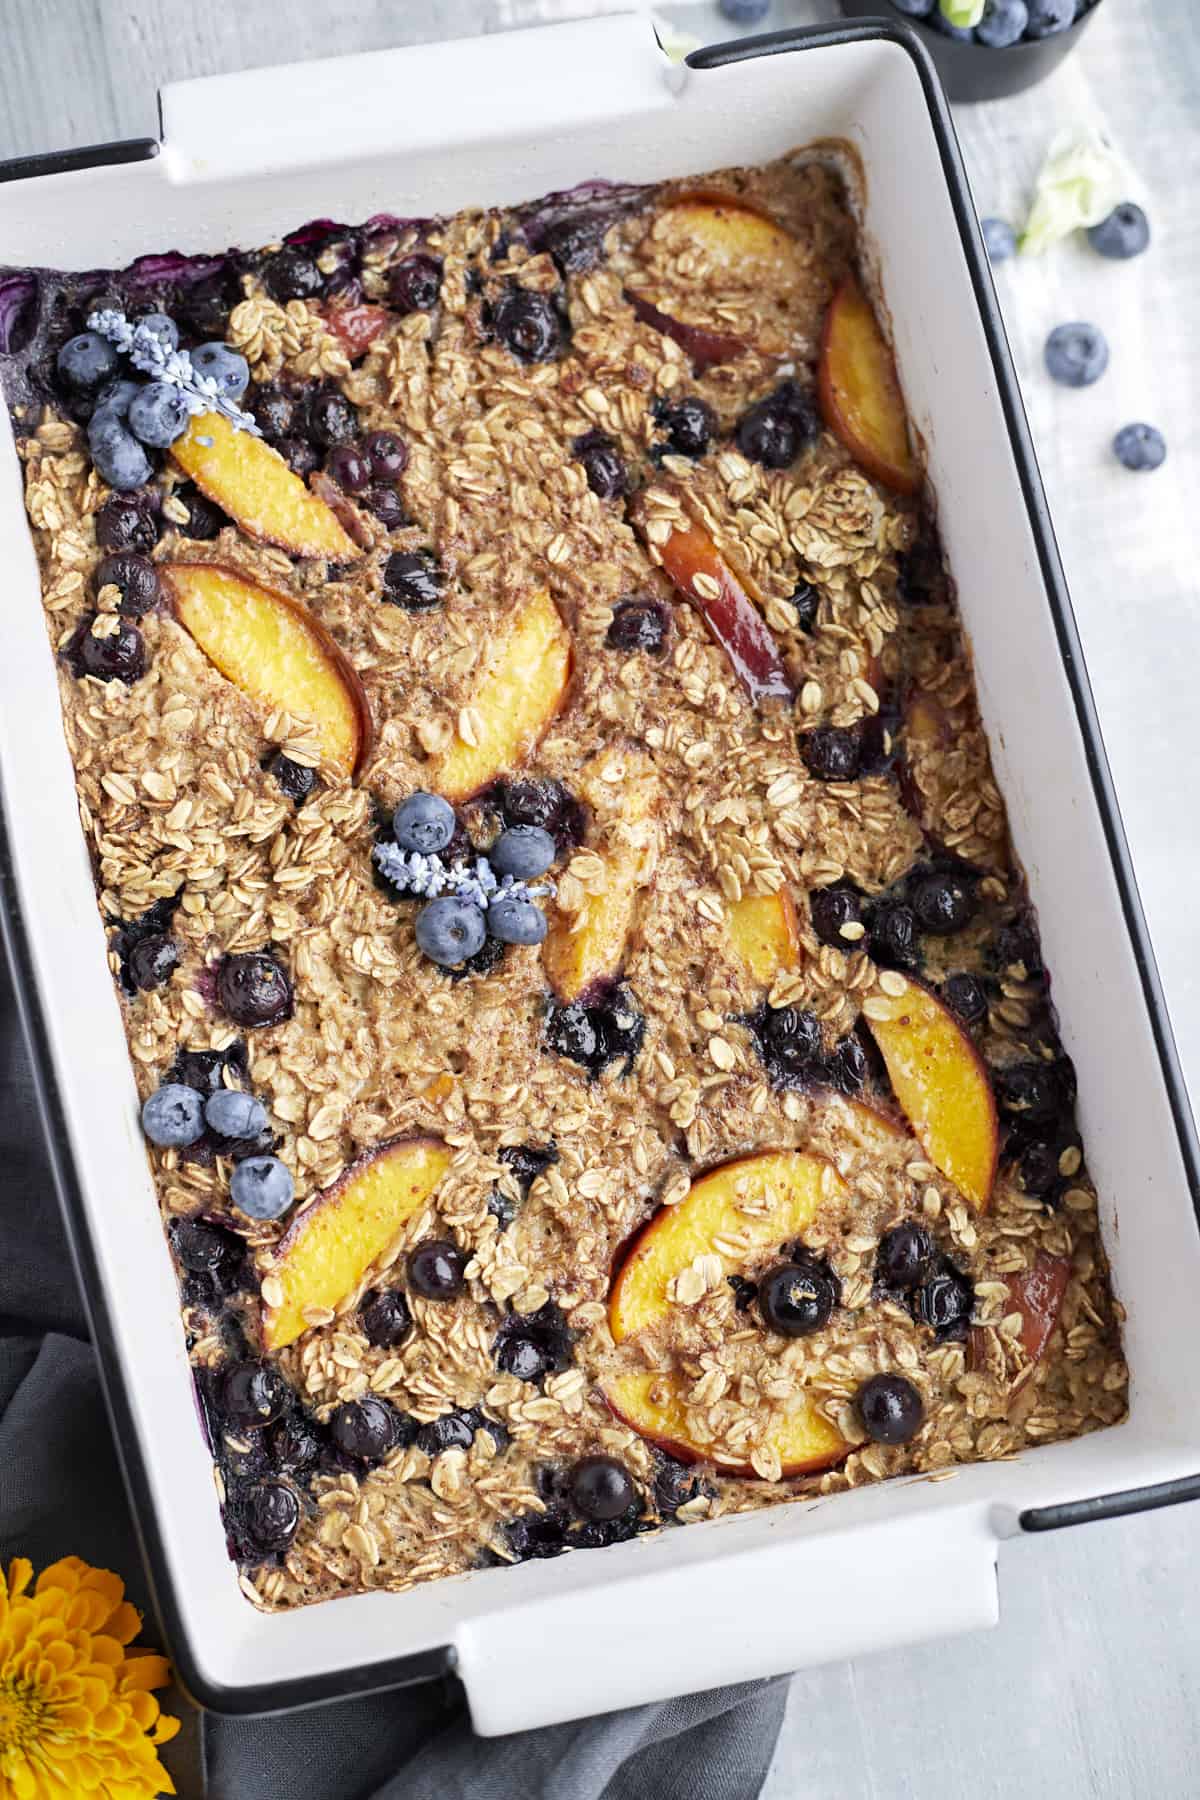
(1090, 1685)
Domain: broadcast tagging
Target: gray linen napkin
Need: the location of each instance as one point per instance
(61, 1493)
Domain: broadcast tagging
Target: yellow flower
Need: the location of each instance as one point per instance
(77, 1716)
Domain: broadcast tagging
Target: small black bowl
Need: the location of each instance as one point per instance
(973, 71)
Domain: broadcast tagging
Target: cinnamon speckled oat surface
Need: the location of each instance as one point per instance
(685, 799)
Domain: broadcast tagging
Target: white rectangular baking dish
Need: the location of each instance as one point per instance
(429, 130)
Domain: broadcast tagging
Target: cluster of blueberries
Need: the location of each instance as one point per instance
(176, 1116)
(1076, 354)
(129, 416)
(490, 900)
(1003, 22)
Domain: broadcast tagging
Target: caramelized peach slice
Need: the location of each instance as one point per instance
(699, 572)
(706, 348)
(652, 1404)
(322, 1257)
(587, 947)
(940, 1083)
(1037, 1294)
(254, 485)
(733, 236)
(786, 1188)
(860, 394)
(765, 935)
(268, 645)
(519, 692)
(925, 721)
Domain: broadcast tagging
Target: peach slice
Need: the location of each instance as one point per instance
(925, 723)
(699, 572)
(787, 1188)
(357, 327)
(586, 948)
(651, 1402)
(940, 1083)
(765, 935)
(322, 1258)
(705, 347)
(1037, 1294)
(860, 394)
(518, 694)
(255, 486)
(270, 647)
(733, 235)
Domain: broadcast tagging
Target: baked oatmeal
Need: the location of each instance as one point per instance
(597, 1062)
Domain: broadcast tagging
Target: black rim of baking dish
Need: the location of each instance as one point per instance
(440, 1661)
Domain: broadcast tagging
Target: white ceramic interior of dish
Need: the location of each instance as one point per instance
(429, 130)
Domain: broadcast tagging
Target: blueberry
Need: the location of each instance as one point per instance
(833, 908)
(415, 283)
(162, 326)
(529, 1345)
(424, 823)
(253, 1394)
(291, 275)
(204, 518)
(449, 930)
(332, 419)
(576, 244)
(204, 1249)
(522, 851)
(1038, 1169)
(295, 1445)
(217, 362)
(523, 1358)
(603, 465)
(293, 778)
(905, 1254)
(795, 1299)
(601, 1488)
(411, 580)
(231, 1113)
(831, 752)
(386, 505)
(805, 599)
(387, 455)
(847, 1068)
(173, 1116)
(639, 624)
(262, 1187)
(136, 579)
(270, 1512)
(607, 1030)
(1140, 447)
(545, 803)
(745, 1292)
(205, 306)
(437, 1269)
(274, 412)
(119, 458)
(944, 901)
(689, 424)
(117, 654)
(999, 238)
(349, 468)
(893, 938)
(790, 1040)
(1031, 1091)
(528, 324)
(1124, 233)
(204, 1069)
(944, 1301)
(965, 995)
(87, 361)
(115, 400)
(777, 428)
(366, 1429)
(512, 919)
(916, 9)
(675, 1484)
(890, 1408)
(1076, 354)
(1016, 951)
(253, 989)
(152, 961)
(301, 457)
(385, 1318)
(525, 1162)
(1003, 23)
(1049, 16)
(453, 1431)
(745, 12)
(158, 414)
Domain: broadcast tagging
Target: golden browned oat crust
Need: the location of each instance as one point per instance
(173, 797)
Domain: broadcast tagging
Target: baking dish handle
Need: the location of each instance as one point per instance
(389, 102)
(791, 1602)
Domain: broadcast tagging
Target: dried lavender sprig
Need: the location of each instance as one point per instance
(429, 876)
(154, 356)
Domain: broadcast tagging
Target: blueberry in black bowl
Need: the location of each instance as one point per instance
(387, 454)
(640, 623)
(347, 465)
(1032, 1093)
(525, 1163)
(384, 503)
(528, 324)
(295, 1444)
(204, 519)
(86, 362)
(253, 989)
